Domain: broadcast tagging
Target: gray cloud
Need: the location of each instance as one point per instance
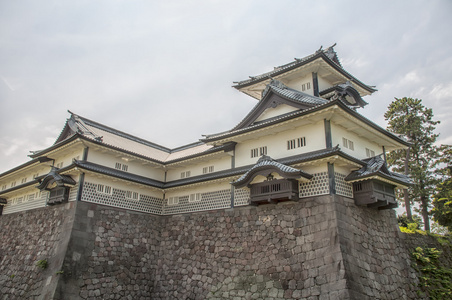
(163, 70)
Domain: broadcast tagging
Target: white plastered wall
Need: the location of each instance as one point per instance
(359, 142)
(196, 168)
(277, 144)
(135, 166)
(277, 111)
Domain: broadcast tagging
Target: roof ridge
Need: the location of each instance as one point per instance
(122, 133)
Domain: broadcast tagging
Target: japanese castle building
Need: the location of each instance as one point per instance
(304, 138)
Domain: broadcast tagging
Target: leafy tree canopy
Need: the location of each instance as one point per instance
(409, 118)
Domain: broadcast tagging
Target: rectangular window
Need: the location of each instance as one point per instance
(35, 175)
(348, 144)
(24, 180)
(306, 86)
(118, 166)
(108, 190)
(254, 152)
(105, 189)
(173, 200)
(125, 168)
(100, 188)
(128, 195)
(301, 142)
(135, 196)
(194, 197)
(13, 184)
(296, 143)
(263, 150)
(59, 165)
(370, 153)
(208, 169)
(4, 187)
(185, 174)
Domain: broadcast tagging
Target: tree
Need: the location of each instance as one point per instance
(442, 200)
(408, 117)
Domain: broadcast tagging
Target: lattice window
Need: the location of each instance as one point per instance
(118, 199)
(348, 144)
(208, 169)
(343, 188)
(318, 185)
(263, 150)
(370, 153)
(104, 189)
(185, 174)
(296, 143)
(305, 86)
(194, 197)
(254, 152)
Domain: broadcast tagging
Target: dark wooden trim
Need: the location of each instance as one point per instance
(315, 84)
(85, 153)
(328, 138)
(331, 178)
(80, 186)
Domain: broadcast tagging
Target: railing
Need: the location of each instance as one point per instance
(274, 190)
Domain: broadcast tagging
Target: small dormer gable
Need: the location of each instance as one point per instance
(279, 100)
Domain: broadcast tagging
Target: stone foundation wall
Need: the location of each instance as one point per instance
(112, 254)
(286, 251)
(377, 263)
(27, 237)
(318, 248)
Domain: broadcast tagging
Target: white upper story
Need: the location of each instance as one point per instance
(305, 109)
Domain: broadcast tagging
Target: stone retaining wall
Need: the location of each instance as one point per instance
(27, 237)
(318, 248)
(112, 254)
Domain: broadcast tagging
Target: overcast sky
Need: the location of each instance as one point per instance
(163, 70)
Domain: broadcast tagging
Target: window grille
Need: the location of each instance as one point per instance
(208, 169)
(13, 184)
(125, 168)
(173, 200)
(185, 174)
(348, 144)
(263, 150)
(254, 152)
(194, 197)
(296, 143)
(24, 179)
(118, 166)
(370, 153)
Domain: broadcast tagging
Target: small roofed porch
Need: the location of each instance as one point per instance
(272, 189)
(374, 185)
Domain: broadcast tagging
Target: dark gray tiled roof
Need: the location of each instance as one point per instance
(54, 176)
(286, 92)
(117, 173)
(266, 162)
(376, 166)
(329, 55)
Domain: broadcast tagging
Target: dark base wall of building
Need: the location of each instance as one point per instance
(318, 248)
